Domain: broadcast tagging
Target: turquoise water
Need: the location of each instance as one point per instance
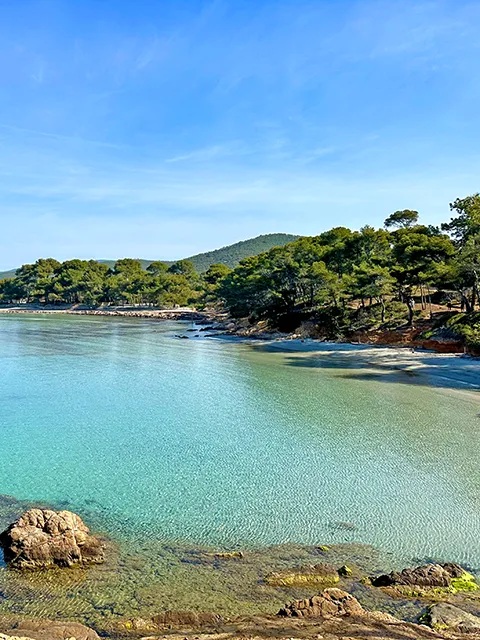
(217, 442)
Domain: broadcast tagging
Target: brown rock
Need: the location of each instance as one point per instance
(454, 570)
(330, 603)
(42, 538)
(48, 630)
(171, 620)
(428, 575)
(443, 616)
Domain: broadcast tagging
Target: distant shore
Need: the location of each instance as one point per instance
(180, 313)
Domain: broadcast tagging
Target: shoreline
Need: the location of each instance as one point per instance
(142, 581)
(217, 593)
(459, 370)
(231, 587)
(181, 314)
(437, 368)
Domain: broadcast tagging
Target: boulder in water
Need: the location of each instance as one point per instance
(42, 538)
(170, 620)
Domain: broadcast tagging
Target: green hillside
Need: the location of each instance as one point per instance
(144, 263)
(230, 255)
(7, 274)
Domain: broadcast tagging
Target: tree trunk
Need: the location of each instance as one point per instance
(476, 291)
(410, 315)
(409, 301)
(466, 303)
(382, 302)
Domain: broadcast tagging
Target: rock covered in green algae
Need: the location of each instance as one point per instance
(311, 575)
(345, 571)
(42, 538)
(429, 579)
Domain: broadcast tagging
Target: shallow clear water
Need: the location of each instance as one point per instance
(216, 442)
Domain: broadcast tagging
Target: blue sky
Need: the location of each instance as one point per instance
(160, 128)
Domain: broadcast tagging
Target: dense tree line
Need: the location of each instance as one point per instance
(341, 269)
(330, 273)
(92, 283)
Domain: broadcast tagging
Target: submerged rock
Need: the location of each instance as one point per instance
(228, 555)
(42, 538)
(186, 618)
(316, 574)
(444, 616)
(172, 620)
(330, 603)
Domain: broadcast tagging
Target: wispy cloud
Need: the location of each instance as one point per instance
(231, 118)
(212, 152)
(57, 136)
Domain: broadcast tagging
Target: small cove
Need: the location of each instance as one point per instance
(168, 445)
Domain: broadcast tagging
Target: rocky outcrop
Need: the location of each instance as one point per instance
(42, 538)
(428, 575)
(330, 603)
(311, 575)
(171, 620)
(444, 616)
(48, 630)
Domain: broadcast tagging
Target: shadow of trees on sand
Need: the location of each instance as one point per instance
(423, 369)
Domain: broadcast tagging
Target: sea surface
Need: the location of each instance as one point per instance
(215, 442)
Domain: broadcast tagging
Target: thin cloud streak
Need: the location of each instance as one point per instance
(229, 119)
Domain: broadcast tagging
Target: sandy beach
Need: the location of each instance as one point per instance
(448, 370)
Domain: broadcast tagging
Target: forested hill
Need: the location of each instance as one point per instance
(4, 275)
(232, 254)
(229, 255)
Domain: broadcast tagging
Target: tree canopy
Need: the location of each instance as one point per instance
(332, 273)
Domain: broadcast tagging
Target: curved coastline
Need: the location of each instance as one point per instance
(457, 370)
(155, 576)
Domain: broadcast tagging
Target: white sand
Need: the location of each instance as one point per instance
(453, 370)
